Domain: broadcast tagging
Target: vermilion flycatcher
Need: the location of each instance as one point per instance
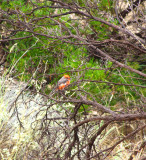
(62, 83)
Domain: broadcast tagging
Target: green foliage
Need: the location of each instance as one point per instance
(50, 51)
(105, 4)
(55, 56)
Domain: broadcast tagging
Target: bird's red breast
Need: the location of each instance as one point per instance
(63, 82)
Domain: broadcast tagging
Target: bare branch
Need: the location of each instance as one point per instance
(118, 117)
(121, 84)
(126, 137)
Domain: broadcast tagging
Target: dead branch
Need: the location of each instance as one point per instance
(123, 139)
(118, 118)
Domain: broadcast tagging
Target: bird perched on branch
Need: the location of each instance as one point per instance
(61, 84)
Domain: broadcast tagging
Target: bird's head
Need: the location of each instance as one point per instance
(66, 76)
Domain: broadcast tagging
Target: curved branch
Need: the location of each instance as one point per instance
(81, 12)
(118, 41)
(72, 144)
(126, 137)
(5, 40)
(91, 141)
(121, 84)
(116, 62)
(118, 117)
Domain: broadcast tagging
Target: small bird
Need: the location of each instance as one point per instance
(62, 83)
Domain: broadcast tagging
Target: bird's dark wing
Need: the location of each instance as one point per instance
(62, 80)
